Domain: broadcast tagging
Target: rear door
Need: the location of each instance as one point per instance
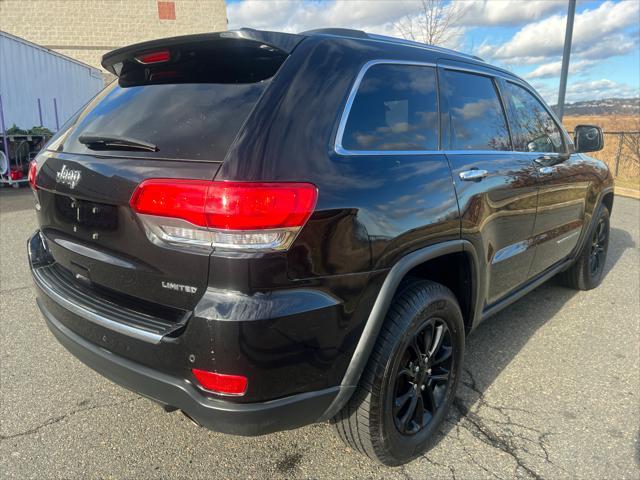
(562, 190)
(496, 186)
(173, 113)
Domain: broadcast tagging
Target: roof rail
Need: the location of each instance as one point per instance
(341, 32)
(412, 43)
(347, 32)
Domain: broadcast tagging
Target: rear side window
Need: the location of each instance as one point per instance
(184, 120)
(395, 109)
(534, 130)
(477, 120)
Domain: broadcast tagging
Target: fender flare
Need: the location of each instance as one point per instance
(380, 307)
(588, 231)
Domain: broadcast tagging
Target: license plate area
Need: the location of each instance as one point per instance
(85, 214)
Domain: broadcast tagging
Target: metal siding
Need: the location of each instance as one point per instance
(29, 72)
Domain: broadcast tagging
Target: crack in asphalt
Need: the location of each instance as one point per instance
(480, 429)
(438, 464)
(54, 420)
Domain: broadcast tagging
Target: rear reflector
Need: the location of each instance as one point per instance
(221, 383)
(154, 57)
(33, 171)
(233, 215)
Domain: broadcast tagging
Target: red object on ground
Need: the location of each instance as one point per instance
(16, 173)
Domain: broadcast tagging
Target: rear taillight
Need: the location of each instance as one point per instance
(231, 215)
(33, 171)
(220, 382)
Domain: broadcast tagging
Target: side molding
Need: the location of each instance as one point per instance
(378, 312)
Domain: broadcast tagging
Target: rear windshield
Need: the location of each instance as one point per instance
(196, 121)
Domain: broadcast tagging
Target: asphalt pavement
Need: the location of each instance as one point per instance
(551, 389)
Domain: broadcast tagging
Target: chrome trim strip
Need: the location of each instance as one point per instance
(571, 235)
(94, 317)
(339, 149)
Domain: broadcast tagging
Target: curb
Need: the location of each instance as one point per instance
(627, 192)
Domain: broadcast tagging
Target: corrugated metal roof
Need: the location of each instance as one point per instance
(48, 50)
(29, 72)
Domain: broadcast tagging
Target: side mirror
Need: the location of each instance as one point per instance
(588, 138)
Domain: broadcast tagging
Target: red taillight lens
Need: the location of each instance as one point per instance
(33, 171)
(154, 57)
(183, 199)
(232, 215)
(257, 206)
(221, 383)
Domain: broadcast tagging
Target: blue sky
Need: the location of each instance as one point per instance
(525, 37)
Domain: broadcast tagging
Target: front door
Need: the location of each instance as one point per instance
(562, 191)
(496, 187)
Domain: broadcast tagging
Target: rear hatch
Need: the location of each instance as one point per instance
(174, 111)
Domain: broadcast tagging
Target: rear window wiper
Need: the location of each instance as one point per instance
(116, 142)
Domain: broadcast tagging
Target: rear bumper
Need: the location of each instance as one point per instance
(219, 415)
(161, 370)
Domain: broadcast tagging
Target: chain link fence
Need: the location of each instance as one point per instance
(621, 153)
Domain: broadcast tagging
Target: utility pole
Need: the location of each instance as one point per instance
(565, 57)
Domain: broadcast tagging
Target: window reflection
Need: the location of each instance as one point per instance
(197, 120)
(395, 109)
(534, 130)
(477, 119)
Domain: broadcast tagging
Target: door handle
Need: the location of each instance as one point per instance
(473, 175)
(547, 170)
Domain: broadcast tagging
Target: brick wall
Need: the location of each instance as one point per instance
(86, 29)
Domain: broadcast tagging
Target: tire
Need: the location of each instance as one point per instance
(371, 422)
(588, 269)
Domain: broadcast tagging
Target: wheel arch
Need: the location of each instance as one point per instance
(607, 200)
(396, 274)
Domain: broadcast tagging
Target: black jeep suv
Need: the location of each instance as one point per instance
(265, 230)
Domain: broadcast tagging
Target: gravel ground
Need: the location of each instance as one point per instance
(551, 390)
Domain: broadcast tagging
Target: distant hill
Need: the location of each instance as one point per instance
(605, 106)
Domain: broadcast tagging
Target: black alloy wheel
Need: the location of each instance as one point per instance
(422, 379)
(598, 248)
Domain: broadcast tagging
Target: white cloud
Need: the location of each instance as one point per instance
(587, 90)
(289, 16)
(596, 33)
(610, 46)
(376, 16)
(508, 12)
(598, 89)
(550, 70)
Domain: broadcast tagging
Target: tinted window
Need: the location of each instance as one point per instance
(185, 120)
(477, 119)
(533, 128)
(395, 109)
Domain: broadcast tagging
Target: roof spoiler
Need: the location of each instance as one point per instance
(247, 38)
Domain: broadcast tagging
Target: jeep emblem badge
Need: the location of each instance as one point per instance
(68, 177)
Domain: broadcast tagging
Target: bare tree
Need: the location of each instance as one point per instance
(434, 24)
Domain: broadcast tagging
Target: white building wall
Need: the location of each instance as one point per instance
(29, 72)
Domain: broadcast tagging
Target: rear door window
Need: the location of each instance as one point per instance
(395, 109)
(534, 130)
(477, 120)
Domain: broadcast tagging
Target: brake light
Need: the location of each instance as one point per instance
(154, 57)
(33, 171)
(221, 383)
(232, 215)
